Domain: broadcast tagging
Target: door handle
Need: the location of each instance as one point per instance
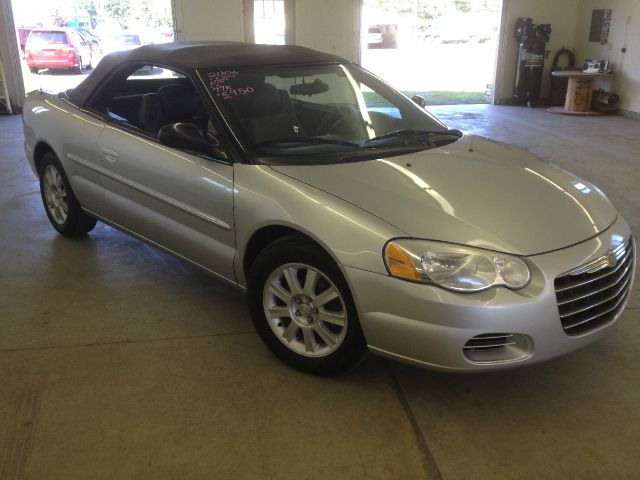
(110, 155)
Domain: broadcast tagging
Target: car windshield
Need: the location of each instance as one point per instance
(42, 37)
(320, 114)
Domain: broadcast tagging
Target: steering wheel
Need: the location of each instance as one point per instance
(344, 124)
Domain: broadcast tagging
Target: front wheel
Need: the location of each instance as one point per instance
(61, 205)
(302, 308)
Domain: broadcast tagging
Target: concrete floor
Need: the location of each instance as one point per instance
(120, 362)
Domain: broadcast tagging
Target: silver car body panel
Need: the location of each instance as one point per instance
(351, 235)
(429, 326)
(175, 200)
(180, 200)
(72, 134)
(473, 192)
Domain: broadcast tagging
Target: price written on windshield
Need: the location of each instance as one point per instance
(218, 83)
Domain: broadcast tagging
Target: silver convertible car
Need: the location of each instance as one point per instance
(353, 218)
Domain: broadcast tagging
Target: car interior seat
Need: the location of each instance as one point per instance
(271, 116)
(150, 116)
(173, 103)
(181, 104)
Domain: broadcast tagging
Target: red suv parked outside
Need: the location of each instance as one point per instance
(57, 48)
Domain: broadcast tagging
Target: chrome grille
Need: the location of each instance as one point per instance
(592, 295)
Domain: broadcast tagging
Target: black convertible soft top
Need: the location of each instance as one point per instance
(188, 56)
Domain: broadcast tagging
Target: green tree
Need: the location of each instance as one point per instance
(89, 6)
(118, 10)
(58, 19)
(152, 13)
(462, 5)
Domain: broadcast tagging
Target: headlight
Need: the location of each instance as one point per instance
(454, 267)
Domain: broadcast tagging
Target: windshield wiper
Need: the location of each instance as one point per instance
(410, 132)
(306, 140)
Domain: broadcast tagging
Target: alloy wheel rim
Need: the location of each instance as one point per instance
(55, 195)
(305, 310)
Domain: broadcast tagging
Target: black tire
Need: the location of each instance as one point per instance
(33, 70)
(79, 68)
(76, 223)
(295, 249)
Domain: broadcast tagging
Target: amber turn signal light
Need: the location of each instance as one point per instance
(400, 264)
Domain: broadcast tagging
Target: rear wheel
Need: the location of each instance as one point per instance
(302, 308)
(61, 205)
(33, 70)
(79, 67)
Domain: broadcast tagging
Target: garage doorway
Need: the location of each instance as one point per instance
(61, 41)
(443, 50)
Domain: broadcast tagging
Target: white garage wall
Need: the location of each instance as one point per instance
(626, 66)
(561, 14)
(209, 20)
(332, 26)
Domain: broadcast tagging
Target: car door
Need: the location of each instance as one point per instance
(175, 199)
(79, 131)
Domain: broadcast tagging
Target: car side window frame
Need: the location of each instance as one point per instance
(77, 39)
(97, 104)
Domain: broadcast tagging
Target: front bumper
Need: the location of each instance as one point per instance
(429, 326)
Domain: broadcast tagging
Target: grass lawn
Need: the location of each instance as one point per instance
(433, 98)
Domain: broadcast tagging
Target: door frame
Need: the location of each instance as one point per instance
(10, 54)
(289, 18)
(499, 62)
(10, 58)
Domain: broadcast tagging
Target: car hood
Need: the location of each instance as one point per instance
(473, 192)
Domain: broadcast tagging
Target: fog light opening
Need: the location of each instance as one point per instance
(498, 348)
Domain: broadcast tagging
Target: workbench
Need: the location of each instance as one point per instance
(579, 92)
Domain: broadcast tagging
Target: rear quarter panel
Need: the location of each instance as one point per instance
(72, 134)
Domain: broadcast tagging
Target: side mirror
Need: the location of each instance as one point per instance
(420, 101)
(187, 136)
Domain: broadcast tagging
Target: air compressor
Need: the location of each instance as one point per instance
(532, 40)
